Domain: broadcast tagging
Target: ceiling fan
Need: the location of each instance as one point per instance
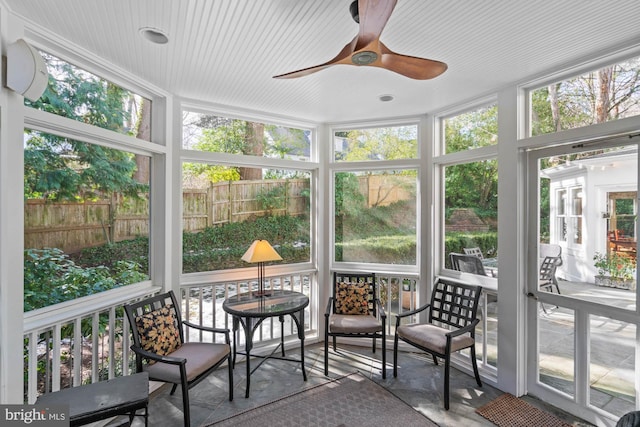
(367, 49)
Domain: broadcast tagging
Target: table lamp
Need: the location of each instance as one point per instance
(261, 251)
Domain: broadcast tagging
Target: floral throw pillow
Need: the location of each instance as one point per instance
(158, 331)
(352, 298)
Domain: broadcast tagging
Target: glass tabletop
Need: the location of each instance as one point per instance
(279, 302)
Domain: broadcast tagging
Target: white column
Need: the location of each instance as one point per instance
(11, 228)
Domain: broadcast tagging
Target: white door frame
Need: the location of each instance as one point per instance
(577, 404)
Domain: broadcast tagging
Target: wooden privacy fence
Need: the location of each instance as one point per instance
(238, 201)
(72, 226)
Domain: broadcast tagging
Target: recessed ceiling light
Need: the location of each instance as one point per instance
(385, 98)
(154, 35)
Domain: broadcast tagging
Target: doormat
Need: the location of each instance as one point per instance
(509, 411)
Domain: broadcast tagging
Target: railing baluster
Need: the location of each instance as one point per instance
(76, 342)
(95, 352)
(57, 347)
(33, 368)
(112, 342)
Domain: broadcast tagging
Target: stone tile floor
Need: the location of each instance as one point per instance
(419, 383)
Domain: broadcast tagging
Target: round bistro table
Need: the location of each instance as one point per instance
(250, 311)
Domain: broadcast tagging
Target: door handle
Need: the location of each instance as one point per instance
(532, 295)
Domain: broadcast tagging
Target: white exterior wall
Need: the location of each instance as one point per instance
(598, 177)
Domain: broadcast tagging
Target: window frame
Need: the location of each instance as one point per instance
(311, 166)
(335, 166)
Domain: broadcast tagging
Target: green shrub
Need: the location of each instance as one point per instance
(109, 255)
(51, 277)
(385, 249)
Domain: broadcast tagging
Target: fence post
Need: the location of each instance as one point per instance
(287, 191)
(230, 203)
(209, 205)
(113, 217)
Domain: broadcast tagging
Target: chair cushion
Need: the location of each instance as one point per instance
(158, 331)
(352, 298)
(433, 337)
(352, 323)
(200, 357)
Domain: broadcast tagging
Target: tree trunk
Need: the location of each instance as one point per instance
(603, 99)
(142, 172)
(555, 108)
(254, 146)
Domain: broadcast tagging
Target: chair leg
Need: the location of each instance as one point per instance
(326, 345)
(185, 405)
(334, 343)
(474, 362)
(395, 355)
(173, 389)
(326, 355)
(384, 356)
(374, 345)
(447, 362)
(230, 366)
(435, 359)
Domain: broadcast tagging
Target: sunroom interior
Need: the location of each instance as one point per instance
(198, 80)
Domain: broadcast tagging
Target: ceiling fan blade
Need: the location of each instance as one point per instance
(373, 16)
(344, 57)
(410, 66)
(303, 72)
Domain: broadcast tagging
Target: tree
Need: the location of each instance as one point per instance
(472, 185)
(233, 136)
(62, 168)
(607, 94)
(387, 143)
(253, 146)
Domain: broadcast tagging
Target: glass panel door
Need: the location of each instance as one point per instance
(582, 312)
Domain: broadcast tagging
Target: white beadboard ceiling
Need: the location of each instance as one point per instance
(226, 51)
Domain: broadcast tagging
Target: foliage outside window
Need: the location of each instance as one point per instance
(375, 216)
(385, 143)
(473, 129)
(217, 134)
(79, 95)
(607, 94)
(86, 219)
(86, 205)
(471, 208)
(471, 188)
(221, 218)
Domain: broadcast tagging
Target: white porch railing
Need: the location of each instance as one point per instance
(79, 341)
(87, 340)
(204, 302)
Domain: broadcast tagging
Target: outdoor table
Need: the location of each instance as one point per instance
(250, 311)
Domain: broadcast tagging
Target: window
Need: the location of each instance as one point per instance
(375, 216)
(473, 129)
(607, 94)
(215, 134)
(79, 95)
(250, 180)
(561, 225)
(470, 192)
(86, 219)
(471, 212)
(222, 217)
(384, 143)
